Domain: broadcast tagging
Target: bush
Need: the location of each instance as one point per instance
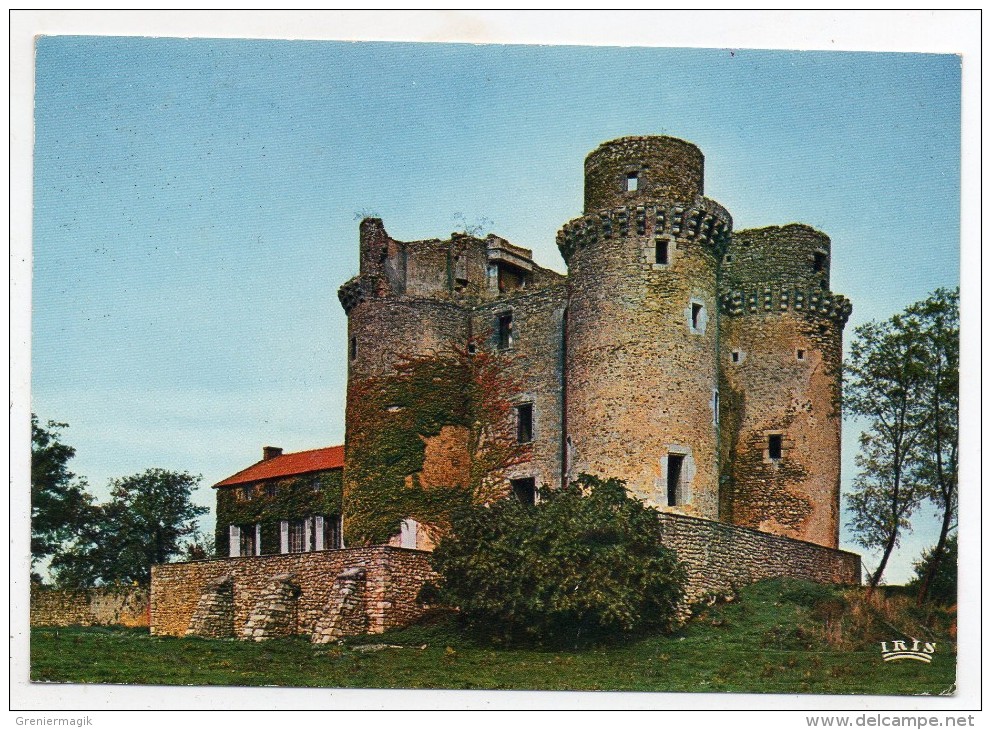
(584, 563)
(943, 589)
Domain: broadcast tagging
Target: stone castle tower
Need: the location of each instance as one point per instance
(699, 364)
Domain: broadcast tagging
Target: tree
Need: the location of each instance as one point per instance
(903, 377)
(937, 323)
(146, 521)
(584, 562)
(938, 571)
(60, 505)
(882, 375)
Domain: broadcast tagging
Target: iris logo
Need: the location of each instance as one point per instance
(900, 650)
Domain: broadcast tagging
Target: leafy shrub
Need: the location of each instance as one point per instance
(943, 589)
(585, 562)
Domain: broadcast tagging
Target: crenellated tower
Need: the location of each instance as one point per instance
(642, 324)
(781, 352)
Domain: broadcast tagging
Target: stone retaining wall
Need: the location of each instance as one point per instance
(720, 558)
(89, 607)
(393, 577)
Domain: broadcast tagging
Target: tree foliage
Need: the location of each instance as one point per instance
(147, 520)
(901, 378)
(584, 562)
(60, 505)
(939, 569)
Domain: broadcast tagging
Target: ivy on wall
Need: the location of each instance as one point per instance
(390, 420)
(295, 497)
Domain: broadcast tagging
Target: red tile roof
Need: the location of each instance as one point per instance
(287, 465)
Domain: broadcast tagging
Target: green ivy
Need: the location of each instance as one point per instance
(295, 498)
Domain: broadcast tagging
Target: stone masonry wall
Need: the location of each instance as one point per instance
(721, 558)
(89, 607)
(393, 579)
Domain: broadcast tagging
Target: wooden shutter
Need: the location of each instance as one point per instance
(258, 538)
(235, 541)
(318, 532)
(307, 534)
(284, 536)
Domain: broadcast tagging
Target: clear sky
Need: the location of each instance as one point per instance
(197, 203)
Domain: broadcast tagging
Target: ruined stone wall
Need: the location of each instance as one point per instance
(721, 558)
(393, 578)
(535, 364)
(641, 364)
(89, 607)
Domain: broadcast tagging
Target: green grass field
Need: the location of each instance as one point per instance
(776, 637)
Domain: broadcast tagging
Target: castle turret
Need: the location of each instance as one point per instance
(781, 352)
(642, 329)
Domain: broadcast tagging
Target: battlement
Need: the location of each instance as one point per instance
(782, 297)
(705, 221)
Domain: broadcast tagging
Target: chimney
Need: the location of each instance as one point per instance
(270, 452)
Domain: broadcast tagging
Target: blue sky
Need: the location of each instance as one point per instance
(196, 205)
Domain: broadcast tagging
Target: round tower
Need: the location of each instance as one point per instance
(642, 328)
(781, 353)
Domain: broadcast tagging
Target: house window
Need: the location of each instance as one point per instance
(333, 535)
(298, 536)
(818, 261)
(353, 348)
(249, 540)
(774, 446)
(315, 483)
(271, 490)
(505, 331)
(246, 493)
(661, 252)
(800, 354)
(525, 490)
(632, 182)
(675, 468)
(524, 423)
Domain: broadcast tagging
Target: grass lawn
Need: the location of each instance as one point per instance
(777, 636)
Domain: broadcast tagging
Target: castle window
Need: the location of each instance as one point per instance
(675, 468)
(800, 354)
(353, 348)
(524, 423)
(525, 490)
(661, 252)
(697, 317)
(632, 182)
(818, 261)
(735, 356)
(729, 258)
(774, 446)
(472, 348)
(504, 331)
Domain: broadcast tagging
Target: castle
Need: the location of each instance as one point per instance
(699, 364)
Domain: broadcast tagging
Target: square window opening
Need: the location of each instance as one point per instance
(632, 182)
(661, 252)
(524, 423)
(505, 331)
(800, 354)
(774, 446)
(735, 356)
(525, 490)
(675, 468)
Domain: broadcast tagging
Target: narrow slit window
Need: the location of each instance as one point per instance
(505, 331)
(661, 252)
(632, 182)
(525, 490)
(774, 446)
(524, 423)
(675, 468)
(353, 348)
(696, 315)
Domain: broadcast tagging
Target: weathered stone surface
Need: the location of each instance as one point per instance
(89, 607)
